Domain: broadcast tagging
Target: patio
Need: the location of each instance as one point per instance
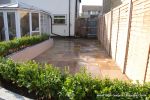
(76, 53)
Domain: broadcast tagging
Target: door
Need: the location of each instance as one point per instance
(92, 27)
(2, 29)
(11, 25)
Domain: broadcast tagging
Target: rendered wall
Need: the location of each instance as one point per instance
(57, 7)
(31, 52)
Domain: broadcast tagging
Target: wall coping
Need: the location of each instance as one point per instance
(31, 52)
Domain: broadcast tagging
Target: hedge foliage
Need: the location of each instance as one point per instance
(49, 82)
(8, 47)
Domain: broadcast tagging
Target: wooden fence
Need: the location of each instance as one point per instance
(125, 34)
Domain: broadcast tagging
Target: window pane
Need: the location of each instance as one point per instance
(59, 17)
(35, 22)
(25, 29)
(59, 21)
(2, 31)
(11, 25)
(45, 23)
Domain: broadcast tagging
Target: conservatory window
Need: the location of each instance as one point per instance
(11, 25)
(2, 31)
(35, 23)
(25, 28)
(59, 19)
(45, 23)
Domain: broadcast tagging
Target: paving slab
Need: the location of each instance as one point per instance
(78, 53)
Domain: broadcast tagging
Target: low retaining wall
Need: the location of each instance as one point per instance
(31, 52)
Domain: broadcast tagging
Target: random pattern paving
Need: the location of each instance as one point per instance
(77, 53)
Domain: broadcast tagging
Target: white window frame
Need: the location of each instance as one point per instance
(60, 18)
(17, 23)
(30, 22)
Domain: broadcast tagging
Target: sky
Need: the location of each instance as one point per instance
(90, 2)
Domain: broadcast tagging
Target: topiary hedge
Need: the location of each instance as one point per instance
(8, 47)
(49, 82)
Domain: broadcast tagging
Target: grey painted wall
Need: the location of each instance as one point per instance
(6, 1)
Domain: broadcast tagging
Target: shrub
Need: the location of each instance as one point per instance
(8, 69)
(8, 47)
(45, 80)
(81, 86)
(48, 82)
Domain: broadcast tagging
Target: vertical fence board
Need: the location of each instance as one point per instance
(128, 46)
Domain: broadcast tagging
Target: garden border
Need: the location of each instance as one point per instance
(31, 52)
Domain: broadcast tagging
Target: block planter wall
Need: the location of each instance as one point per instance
(31, 52)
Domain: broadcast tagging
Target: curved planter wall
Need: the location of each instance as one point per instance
(31, 52)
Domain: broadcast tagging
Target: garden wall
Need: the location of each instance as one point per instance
(124, 32)
(31, 52)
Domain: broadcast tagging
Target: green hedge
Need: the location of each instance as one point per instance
(49, 82)
(8, 47)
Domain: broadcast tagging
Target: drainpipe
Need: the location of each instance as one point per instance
(52, 27)
(69, 17)
(76, 9)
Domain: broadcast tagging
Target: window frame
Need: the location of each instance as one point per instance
(60, 15)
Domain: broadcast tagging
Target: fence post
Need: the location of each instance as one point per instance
(147, 65)
(117, 35)
(103, 21)
(128, 35)
(111, 20)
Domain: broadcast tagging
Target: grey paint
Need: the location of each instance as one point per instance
(6, 1)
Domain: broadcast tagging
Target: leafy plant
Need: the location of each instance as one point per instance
(48, 82)
(8, 47)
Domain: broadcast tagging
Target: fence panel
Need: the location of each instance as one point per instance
(122, 35)
(128, 40)
(139, 40)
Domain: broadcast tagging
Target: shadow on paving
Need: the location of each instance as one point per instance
(78, 53)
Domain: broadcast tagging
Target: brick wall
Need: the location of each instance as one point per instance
(81, 29)
(126, 31)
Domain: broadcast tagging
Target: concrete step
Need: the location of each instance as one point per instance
(8, 95)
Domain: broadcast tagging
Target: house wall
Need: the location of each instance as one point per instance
(124, 32)
(106, 6)
(88, 10)
(57, 7)
(110, 4)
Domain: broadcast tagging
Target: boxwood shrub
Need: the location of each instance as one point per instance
(49, 83)
(8, 47)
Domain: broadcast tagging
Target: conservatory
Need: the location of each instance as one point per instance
(18, 19)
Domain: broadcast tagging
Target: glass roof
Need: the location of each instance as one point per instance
(7, 1)
(11, 4)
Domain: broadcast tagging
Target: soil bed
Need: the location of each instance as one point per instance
(19, 90)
